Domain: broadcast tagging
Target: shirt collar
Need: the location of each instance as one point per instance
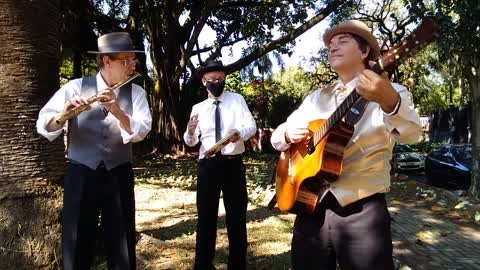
(101, 84)
(221, 98)
(341, 88)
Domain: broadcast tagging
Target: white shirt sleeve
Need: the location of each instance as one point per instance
(404, 126)
(54, 106)
(248, 122)
(141, 118)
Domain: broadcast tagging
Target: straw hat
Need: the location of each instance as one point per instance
(355, 27)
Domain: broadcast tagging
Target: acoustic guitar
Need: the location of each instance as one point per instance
(306, 169)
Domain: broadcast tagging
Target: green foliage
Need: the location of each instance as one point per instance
(425, 146)
(272, 100)
(293, 81)
(281, 107)
(426, 80)
(89, 67)
(234, 83)
(460, 36)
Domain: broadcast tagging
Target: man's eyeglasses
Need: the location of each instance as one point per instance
(214, 79)
(128, 62)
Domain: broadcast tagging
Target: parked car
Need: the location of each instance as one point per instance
(449, 166)
(406, 158)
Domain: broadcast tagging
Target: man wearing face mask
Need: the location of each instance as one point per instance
(211, 120)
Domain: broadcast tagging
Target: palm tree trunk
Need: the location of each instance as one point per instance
(31, 167)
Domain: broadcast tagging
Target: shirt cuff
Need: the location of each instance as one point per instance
(42, 129)
(189, 139)
(397, 107)
(278, 138)
(136, 128)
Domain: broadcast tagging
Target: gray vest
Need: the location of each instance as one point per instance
(92, 138)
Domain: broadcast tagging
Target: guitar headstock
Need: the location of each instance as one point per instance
(424, 34)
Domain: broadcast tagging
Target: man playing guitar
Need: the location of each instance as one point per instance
(351, 224)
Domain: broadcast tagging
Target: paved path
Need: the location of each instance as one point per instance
(425, 239)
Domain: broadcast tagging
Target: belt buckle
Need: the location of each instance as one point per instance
(101, 165)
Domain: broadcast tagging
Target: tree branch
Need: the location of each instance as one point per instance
(274, 44)
(209, 48)
(187, 52)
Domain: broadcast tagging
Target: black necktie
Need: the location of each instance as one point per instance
(218, 136)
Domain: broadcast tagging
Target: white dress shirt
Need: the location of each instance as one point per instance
(366, 163)
(234, 114)
(140, 120)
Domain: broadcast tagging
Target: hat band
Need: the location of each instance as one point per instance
(116, 48)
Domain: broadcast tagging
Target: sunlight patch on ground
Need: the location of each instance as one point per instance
(433, 220)
(270, 236)
(393, 209)
(162, 207)
(473, 233)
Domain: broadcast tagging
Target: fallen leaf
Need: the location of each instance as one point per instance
(437, 208)
(461, 205)
(395, 202)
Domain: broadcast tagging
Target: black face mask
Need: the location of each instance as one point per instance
(216, 88)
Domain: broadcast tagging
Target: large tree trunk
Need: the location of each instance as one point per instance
(472, 72)
(31, 167)
(166, 108)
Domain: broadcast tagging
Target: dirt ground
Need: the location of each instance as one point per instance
(166, 214)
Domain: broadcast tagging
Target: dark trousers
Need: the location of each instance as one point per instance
(356, 236)
(227, 176)
(87, 194)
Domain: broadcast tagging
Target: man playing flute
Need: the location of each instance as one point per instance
(99, 180)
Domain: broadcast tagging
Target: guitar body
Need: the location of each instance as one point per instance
(304, 171)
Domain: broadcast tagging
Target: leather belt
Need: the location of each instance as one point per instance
(220, 156)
